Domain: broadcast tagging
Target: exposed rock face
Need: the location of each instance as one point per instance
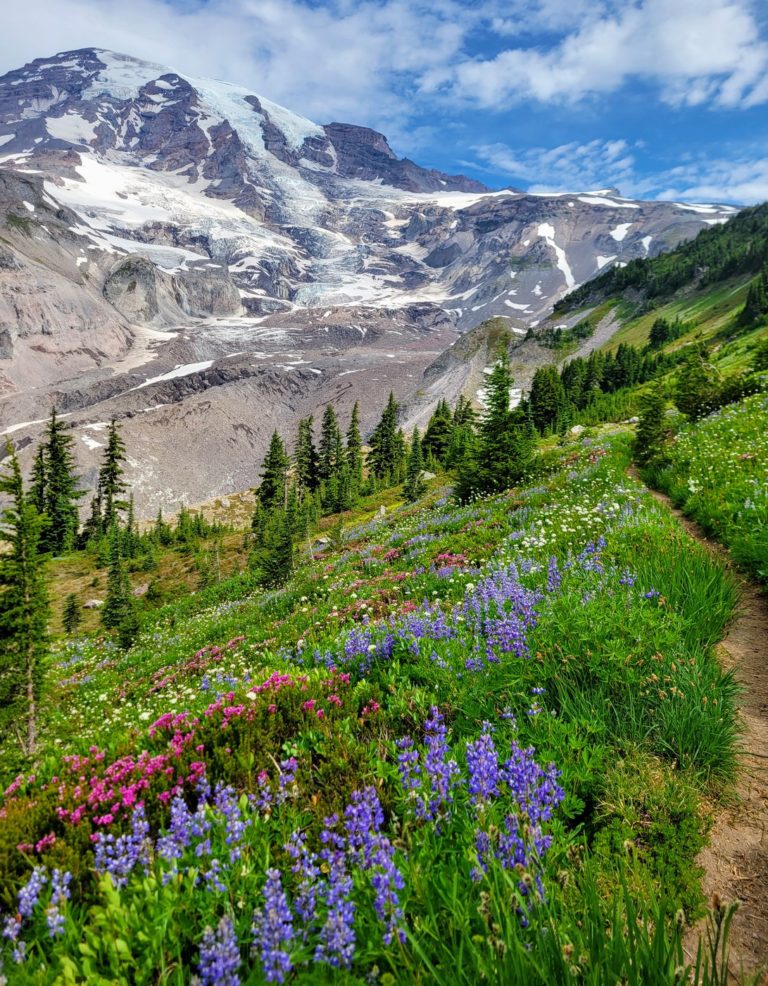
(207, 266)
(365, 154)
(131, 288)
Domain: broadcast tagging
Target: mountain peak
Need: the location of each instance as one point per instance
(110, 101)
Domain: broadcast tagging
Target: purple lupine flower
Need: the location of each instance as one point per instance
(220, 956)
(273, 930)
(30, 892)
(483, 850)
(227, 802)
(512, 850)
(287, 780)
(483, 765)
(119, 855)
(554, 575)
(387, 880)
(60, 881)
(439, 772)
(627, 578)
(212, 877)
(337, 935)
(374, 852)
(535, 789)
(408, 764)
(363, 819)
(171, 846)
(308, 892)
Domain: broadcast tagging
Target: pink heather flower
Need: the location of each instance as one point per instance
(45, 843)
(320, 714)
(25, 847)
(271, 708)
(14, 786)
(335, 700)
(309, 705)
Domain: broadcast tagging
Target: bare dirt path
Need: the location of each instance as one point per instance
(736, 860)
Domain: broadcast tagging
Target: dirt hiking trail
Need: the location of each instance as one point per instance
(736, 860)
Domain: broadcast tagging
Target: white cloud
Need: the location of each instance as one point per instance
(338, 61)
(568, 167)
(741, 178)
(696, 51)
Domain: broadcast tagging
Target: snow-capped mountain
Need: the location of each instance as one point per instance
(166, 237)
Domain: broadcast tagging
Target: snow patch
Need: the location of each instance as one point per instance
(611, 203)
(620, 232)
(547, 233)
(182, 370)
(72, 128)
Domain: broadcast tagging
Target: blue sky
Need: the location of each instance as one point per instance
(660, 98)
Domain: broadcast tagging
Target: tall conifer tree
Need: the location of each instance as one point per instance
(354, 450)
(274, 476)
(414, 483)
(24, 610)
(112, 486)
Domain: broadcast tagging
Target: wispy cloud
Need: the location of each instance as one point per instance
(429, 72)
(741, 177)
(567, 167)
(694, 51)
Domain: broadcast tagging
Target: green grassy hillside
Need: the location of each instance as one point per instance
(453, 748)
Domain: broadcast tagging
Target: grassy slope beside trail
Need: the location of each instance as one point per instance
(572, 616)
(717, 473)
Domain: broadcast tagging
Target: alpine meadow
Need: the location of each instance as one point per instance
(383, 557)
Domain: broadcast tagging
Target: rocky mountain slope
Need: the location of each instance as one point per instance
(206, 266)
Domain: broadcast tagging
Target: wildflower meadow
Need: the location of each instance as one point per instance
(463, 744)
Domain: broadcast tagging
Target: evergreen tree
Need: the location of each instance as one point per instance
(698, 385)
(275, 555)
(756, 305)
(61, 493)
(131, 532)
(414, 483)
(573, 377)
(307, 464)
(161, 532)
(331, 447)
(354, 450)
(504, 447)
(464, 414)
(274, 476)
(760, 359)
(660, 333)
(437, 437)
(72, 616)
(39, 480)
(119, 601)
(94, 525)
(650, 437)
(548, 400)
(387, 444)
(24, 610)
(112, 486)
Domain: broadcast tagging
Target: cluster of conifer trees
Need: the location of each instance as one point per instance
(755, 308)
(43, 520)
(557, 397)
